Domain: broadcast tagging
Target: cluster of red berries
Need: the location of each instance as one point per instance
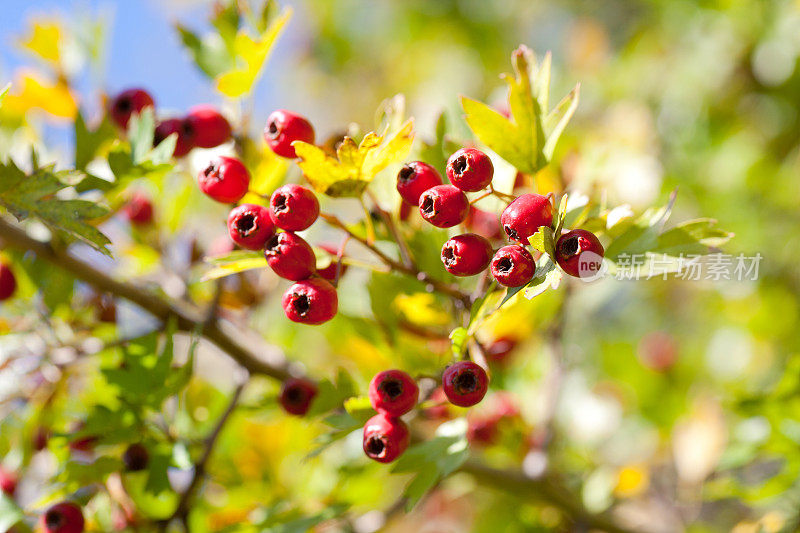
(202, 127)
(468, 254)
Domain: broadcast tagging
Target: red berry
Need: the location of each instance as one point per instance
(283, 128)
(414, 179)
(225, 179)
(444, 206)
(465, 383)
(40, 439)
(296, 395)
(8, 282)
(293, 208)
(329, 272)
(470, 170)
(385, 439)
(185, 140)
(482, 430)
(136, 457)
(250, 226)
(312, 301)
(523, 216)
(209, 126)
(499, 350)
(393, 392)
(466, 255)
(290, 256)
(139, 210)
(127, 103)
(8, 482)
(405, 211)
(483, 223)
(579, 253)
(513, 266)
(64, 517)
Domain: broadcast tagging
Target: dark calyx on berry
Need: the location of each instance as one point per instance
(246, 224)
(375, 445)
(392, 388)
(466, 382)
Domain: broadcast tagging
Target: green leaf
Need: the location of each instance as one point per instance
(556, 120)
(546, 276)
(10, 512)
(141, 130)
(459, 337)
(233, 263)
(88, 142)
(3, 93)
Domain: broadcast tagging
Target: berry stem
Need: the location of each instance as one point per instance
(405, 253)
(368, 221)
(503, 196)
(481, 196)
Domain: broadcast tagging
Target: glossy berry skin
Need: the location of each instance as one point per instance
(466, 255)
(8, 482)
(579, 253)
(293, 208)
(8, 282)
(523, 216)
(312, 301)
(329, 272)
(126, 104)
(185, 141)
(225, 179)
(444, 206)
(465, 383)
(138, 210)
(483, 223)
(250, 226)
(385, 438)
(393, 392)
(64, 517)
(283, 128)
(290, 256)
(136, 458)
(513, 266)
(470, 170)
(210, 128)
(296, 396)
(414, 179)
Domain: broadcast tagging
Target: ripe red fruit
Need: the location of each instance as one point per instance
(523, 216)
(465, 383)
(40, 439)
(225, 179)
(8, 482)
(329, 272)
(466, 255)
(8, 282)
(283, 128)
(250, 226)
(513, 266)
(385, 439)
(499, 350)
(393, 392)
(64, 517)
(296, 395)
(312, 301)
(185, 140)
(579, 253)
(138, 210)
(127, 103)
(444, 206)
(136, 457)
(470, 170)
(210, 128)
(414, 179)
(293, 208)
(290, 256)
(483, 223)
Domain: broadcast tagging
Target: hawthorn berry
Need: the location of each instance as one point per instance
(414, 179)
(393, 392)
(293, 208)
(283, 128)
(385, 438)
(290, 256)
(465, 383)
(225, 179)
(138, 210)
(185, 141)
(64, 517)
(524, 215)
(8, 282)
(8, 482)
(329, 272)
(210, 128)
(296, 395)
(483, 223)
(136, 457)
(444, 206)
(312, 301)
(127, 103)
(40, 438)
(499, 350)
(579, 253)
(250, 226)
(513, 266)
(466, 255)
(470, 170)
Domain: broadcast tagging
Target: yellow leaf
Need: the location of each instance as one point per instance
(632, 480)
(35, 93)
(421, 309)
(233, 267)
(354, 166)
(44, 40)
